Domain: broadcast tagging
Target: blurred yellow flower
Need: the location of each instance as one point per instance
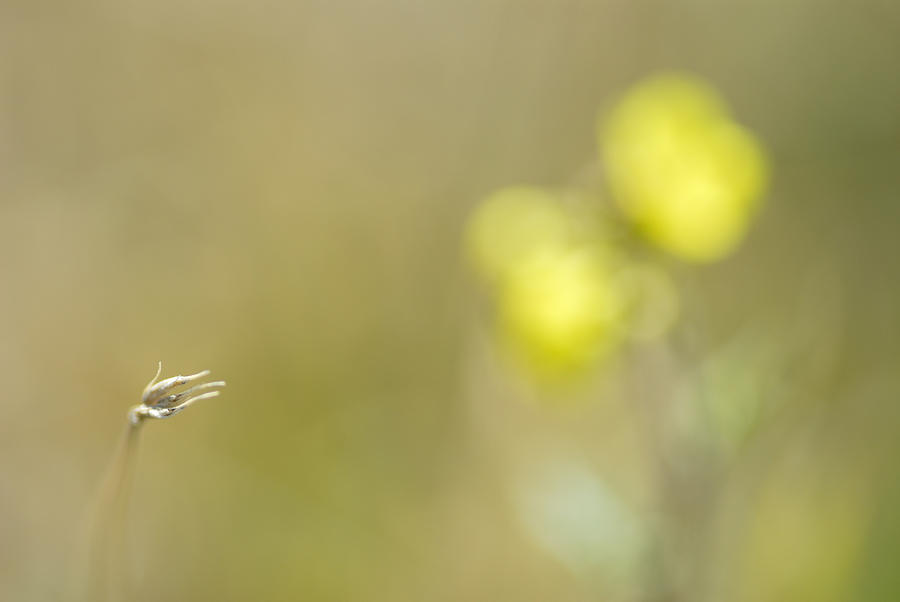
(560, 310)
(558, 304)
(512, 224)
(681, 169)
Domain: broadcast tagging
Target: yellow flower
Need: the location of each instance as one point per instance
(560, 310)
(512, 224)
(558, 304)
(681, 169)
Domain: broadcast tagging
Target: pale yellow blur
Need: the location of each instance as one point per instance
(514, 224)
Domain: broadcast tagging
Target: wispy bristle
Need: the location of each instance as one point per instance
(156, 403)
(164, 386)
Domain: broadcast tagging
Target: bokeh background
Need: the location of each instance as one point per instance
(278, 191)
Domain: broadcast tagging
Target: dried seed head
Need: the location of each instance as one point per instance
(157, 402)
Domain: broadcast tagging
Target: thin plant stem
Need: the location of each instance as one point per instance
(107, 546)
(105, 569)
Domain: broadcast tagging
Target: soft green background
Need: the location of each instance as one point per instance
(276, 191)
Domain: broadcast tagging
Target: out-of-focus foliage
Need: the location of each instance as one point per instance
(681, 168)
(580, 520)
